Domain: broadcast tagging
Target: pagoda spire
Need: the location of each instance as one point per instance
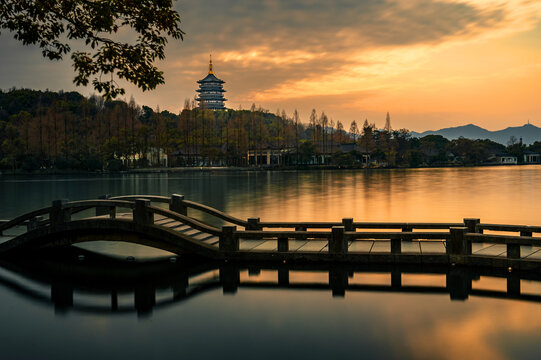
(211, 91)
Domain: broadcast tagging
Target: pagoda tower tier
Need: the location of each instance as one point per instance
(211, 91)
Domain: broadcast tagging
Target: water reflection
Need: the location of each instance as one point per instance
(156, 283)
(493, 194)
(381, 311)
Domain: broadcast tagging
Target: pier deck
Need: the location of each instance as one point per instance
(164, 223)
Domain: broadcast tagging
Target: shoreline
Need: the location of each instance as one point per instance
(203, 169)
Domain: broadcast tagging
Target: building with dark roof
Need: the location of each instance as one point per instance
(211, 92)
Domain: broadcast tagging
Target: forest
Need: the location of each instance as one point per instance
(50, 131)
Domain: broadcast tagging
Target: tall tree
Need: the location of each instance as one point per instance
(296, 119)
(354, 130)
(387, 123)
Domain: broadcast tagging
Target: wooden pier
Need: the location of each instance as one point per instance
(166, 223)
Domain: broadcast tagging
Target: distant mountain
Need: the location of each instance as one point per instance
(528, 132)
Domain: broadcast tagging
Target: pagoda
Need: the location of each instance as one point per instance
(211, 91)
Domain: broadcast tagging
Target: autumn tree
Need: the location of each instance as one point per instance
(354, 130)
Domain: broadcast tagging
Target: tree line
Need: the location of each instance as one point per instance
(65, 130)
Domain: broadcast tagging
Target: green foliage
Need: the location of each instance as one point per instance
(306, 152)
(55, 25)
(30, 163)
(115, 165)
(45, 130)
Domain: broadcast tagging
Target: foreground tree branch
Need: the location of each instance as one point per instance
(54, 24)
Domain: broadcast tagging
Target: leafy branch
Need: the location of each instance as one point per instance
(52, 24)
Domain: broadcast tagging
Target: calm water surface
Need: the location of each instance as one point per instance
(259, 322)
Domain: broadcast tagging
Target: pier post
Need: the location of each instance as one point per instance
(527, 234)
(180, 286)
(472, 225)
(337, 242)
(33, 223)
(103, 210)
(141, 214)
(228, 241)
(458, 283)
(283, 244)
(513, 251)
(301, 228)
(61, 296)
(144, 300)
(347, 223)
(513, 284)
(283, 276)
(59, 215)
(338, 281)
(230, 279)
(114, 300)
(396, 278)
(176, 204)
(253, 224)
(407, 229)
(396, 246)
(457, 244)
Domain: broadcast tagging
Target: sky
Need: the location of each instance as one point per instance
(430, 64)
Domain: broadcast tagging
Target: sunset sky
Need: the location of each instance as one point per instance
(431, 64)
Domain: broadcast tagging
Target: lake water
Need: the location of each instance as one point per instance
(264, 318)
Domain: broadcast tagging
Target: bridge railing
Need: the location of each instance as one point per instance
(179, 204)
(142, 211)
(457, 237)
(464, 237)
(31, 220)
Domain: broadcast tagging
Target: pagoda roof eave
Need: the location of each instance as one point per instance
(211, 78)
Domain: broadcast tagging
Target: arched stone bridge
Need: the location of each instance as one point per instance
(143, 219)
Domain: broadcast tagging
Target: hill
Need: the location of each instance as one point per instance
(528, 132)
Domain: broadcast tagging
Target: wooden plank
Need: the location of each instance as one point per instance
(160, 218)
(528, 250)
(202, 236)
(432, 247)
(478, 246)
(192, 232)
(267, 245)
(5, 238)
(164, 221)
(213, 240)
(411, 247)
(294, 244)
(313, 245)
(381, 246)
(535, 254)
(172, 224)
(245, 244)
(493, 250)
(182, 228)
(360, 246)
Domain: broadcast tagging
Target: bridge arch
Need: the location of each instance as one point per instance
(88, 230)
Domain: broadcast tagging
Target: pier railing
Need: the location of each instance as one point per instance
(458, 238)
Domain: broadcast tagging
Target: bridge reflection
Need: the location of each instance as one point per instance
(81, 281)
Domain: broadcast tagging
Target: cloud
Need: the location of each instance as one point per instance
(333, 25)
(302, 51)
(282, 48)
